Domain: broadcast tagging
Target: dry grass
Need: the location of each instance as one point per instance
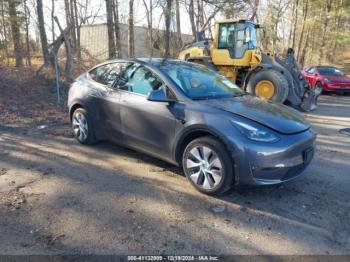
(27, 100)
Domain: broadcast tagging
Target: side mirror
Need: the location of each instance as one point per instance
(158, 96)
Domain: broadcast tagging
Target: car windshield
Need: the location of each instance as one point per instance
(330, 71)
(199, 82)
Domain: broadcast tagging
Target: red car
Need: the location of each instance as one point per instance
(328, 78)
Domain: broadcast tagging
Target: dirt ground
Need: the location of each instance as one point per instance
(59, 197)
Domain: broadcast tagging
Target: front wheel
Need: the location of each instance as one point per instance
(269, 84)
(207, 165)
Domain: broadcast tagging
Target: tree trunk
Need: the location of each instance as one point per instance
(43, 38)
(52, 19)
(291, 25)
(178, 22)
(149, 16)
(304, 50)
(295, 23)
(67, 13)
(64, 37)
(192, 20)
(328, 7)
(72, 20)
(254, 5)
(303, 28)
(77, 25)
(15, 33)
(27, 17)
(4, 31)
(167, 15)
(116, 28)
(110, 29)
(131, 48)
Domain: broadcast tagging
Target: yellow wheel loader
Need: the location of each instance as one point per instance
(234, 52)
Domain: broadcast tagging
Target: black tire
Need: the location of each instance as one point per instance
(89, 138)
(319, 85)
(227, 174)
(278, 80)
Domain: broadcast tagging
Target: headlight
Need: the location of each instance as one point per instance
(327, 80)
(259, 134)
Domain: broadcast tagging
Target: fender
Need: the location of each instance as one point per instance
(205, 129)
(180, 138)
(95, 113)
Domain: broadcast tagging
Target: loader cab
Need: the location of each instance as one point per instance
(233, 38)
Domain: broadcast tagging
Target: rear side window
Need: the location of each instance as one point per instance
(107, 74)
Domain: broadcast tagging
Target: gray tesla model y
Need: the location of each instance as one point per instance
(191, 116)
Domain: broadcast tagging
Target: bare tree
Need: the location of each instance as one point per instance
(56, 45)
(295, 23)
(116, 28)
(77, 24)
(305, 11)
(178, 22)
(110, 28)
(192, 19)
(149, 16)
(328, 9)
(131, 47)
(16, 35)
(74, 26)
(254, 5)
(52, 19)
(27, 17)
(43, 38)
(67, 11)
(4, 30)
(167, 15)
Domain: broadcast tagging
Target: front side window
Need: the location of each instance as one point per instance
(199, 82)
(226, 38)
(237, 37)
(312, 70)
(142, 80)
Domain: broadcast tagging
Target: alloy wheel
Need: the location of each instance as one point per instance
(80, 126)
(204, 167)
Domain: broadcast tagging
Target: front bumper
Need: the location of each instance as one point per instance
(338, 88)
(266, 164)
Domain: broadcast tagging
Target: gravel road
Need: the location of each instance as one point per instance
(59, 197)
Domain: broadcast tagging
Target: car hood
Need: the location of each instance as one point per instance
(338, 79)
(272, 115)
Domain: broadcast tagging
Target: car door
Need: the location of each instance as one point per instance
(146, 125)
(107, 100)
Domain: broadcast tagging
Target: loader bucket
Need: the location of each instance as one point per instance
(301, 95)
(309, 101)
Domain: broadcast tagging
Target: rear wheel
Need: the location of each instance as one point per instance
(269, 84)
(208, 166)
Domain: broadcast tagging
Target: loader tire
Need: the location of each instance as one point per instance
(269, 84)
